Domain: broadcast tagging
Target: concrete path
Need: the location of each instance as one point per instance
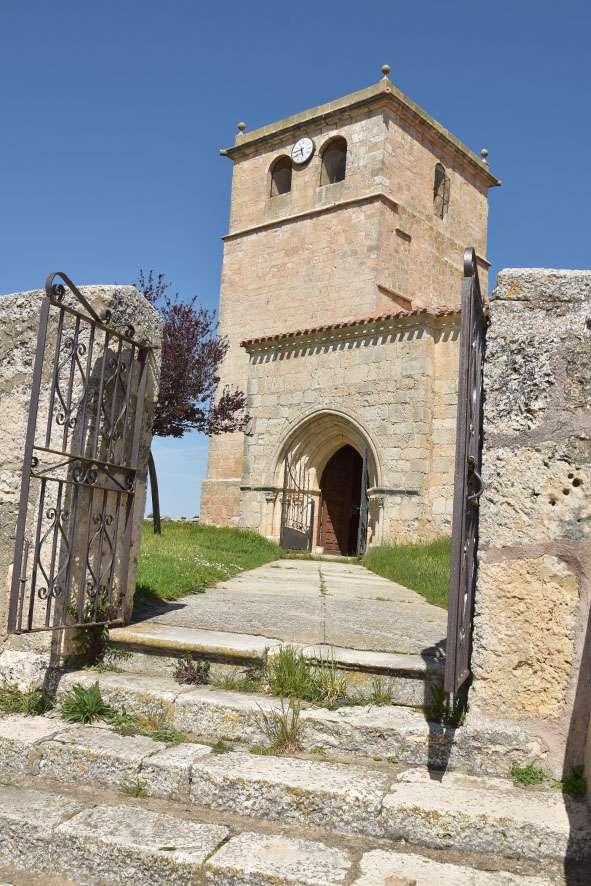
(311, 602)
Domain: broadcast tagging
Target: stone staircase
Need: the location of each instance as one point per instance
(377, 797)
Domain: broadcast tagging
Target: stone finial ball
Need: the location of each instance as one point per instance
(484, 154)
(385, 70)
(242, 127)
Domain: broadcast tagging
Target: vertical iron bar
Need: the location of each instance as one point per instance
(283, 500)
(137, 433)
(86, 393)
(99, 401)
(26, 474)
(127, 401)
(33, 589)
(113, 402)
(68, 408)
(54, 379)
(54, 541)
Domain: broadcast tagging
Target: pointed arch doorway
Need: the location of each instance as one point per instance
(342, 526)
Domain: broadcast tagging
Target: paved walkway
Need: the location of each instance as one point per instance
(310, 602)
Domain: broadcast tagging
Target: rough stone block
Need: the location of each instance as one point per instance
(102, 844)
(19, 736)
(94, 755)
(525, 620)
(489, 815)
(25, 670)
(383, 868)
(253, 859)
(308, 792)
(168, 773)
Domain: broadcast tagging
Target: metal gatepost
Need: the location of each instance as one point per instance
(468, 484)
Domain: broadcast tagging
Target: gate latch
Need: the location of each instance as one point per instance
(473, 473)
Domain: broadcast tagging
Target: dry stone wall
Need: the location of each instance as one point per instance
(19, 324)
(532, 635)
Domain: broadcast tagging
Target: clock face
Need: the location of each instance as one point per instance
(302, 150)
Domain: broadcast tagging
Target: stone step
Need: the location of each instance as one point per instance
(155, 648)
(54, 836)
(421, 807)
(388, 731)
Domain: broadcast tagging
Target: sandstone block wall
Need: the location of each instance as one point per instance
(390, 387)
(19, 316)
(532, 634)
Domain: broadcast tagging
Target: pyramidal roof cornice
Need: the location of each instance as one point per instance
(382, 93)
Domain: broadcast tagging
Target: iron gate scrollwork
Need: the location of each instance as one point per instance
(363, 509)
(76, 507)
(297, 507)
(468, 484)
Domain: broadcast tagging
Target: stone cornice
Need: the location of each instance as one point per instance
(383, 93)
(363, 328)
(309, 213)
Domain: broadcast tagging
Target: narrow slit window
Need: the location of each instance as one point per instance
(440, 191)
(334, 162)
(281, 177)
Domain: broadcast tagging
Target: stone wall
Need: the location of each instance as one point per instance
(19, 323)
(532, 636)
(389, 386)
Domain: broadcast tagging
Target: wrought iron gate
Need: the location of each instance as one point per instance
(297, 508)
(77, 497)
(468, 484)
(363, 509)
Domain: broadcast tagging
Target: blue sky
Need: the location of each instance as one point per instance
(114, 114)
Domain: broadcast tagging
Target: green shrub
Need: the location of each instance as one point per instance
(527, 774)
(574, 783)
(282, 728)
(82, 705)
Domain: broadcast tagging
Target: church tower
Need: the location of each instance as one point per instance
(340, 288)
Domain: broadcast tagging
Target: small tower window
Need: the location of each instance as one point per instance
(281, 177)
(440, 191)
(334, 162)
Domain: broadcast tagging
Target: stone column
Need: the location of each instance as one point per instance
(24, 657)
(532, 642)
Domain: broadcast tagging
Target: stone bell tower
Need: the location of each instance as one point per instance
(352, 213)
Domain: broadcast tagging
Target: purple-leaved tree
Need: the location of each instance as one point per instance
(191, 356)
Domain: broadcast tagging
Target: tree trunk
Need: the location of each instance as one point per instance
(155, 497)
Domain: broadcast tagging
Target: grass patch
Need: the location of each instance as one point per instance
(249, 680)
(291, 674)
(188, 558)
(527, 774)
(282, 728)
(574, 783)
(423, 568)
(13, 701)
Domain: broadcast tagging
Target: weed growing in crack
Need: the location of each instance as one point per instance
(527, 774)
(192, 670)
(381, 693)
(574, 783)
(84, 706)
(169, 735)
(133, 789)
(221, 747)
(13, 701)
(249, 680)
(282, 728)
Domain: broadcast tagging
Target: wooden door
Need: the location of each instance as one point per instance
(340, 489)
